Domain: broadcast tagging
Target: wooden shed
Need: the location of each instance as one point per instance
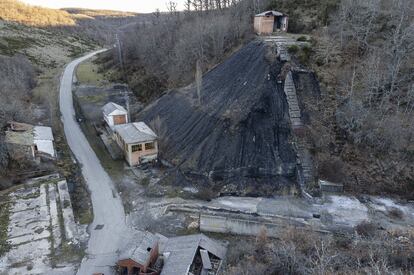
(269, 22)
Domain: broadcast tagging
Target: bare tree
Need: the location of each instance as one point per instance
(199, 80)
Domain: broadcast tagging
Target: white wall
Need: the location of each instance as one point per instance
(45, 146)
(109, 120)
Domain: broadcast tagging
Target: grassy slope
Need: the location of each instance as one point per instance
(49, 51)
(35, 16)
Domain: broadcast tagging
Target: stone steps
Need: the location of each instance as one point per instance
(304, 158)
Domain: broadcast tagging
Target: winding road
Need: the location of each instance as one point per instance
(108, 227)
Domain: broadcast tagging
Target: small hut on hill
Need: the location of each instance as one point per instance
(269, 22)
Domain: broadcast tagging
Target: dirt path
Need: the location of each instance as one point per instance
(109, 226)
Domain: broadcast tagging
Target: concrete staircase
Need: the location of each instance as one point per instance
(292, 99)
(306, 175)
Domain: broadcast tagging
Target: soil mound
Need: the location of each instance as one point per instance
(238, 138)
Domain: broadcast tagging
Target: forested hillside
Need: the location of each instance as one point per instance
(364, 59)
(175, 41)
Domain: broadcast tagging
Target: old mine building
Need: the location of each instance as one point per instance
(28, 141)
(114, 114)
(150, 254)
(269, 22)
(193, 254)
(140, 255)
(137, 141)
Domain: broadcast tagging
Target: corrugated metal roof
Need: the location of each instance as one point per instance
(43, 133)
(182, 250)
(111, 107)
(139, 250)
(270, 13)
(206, 259)
(136, 132)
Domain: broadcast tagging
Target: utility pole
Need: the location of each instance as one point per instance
(121, 63)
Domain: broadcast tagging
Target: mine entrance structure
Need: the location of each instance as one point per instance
(269, 22)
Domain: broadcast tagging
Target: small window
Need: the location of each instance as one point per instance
(137, 147)
(149, 146)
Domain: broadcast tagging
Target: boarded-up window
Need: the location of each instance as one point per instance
(137, 147)
(149, 146)
(119, 119)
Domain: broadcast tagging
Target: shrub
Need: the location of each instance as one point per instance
(366, 229)
(302, 38)
(293, 49)
(395, 213)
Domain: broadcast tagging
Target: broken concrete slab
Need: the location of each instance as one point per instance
(67, 212)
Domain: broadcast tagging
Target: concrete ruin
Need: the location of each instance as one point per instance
(41, 219)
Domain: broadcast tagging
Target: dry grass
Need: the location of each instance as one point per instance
(88, 73)
(17, 11)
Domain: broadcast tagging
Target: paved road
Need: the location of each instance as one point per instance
(107, 206)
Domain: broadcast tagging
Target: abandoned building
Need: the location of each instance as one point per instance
(269, 22)
(137, 141)
(139, 256)
(28, 141)
(114, 114)
(193, 254)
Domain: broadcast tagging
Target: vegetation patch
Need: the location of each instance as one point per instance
(12, 45)
(4, 224)
(88, 73)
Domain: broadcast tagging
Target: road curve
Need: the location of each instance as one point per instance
(107, 206)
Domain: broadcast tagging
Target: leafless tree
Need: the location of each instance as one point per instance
(199, 80)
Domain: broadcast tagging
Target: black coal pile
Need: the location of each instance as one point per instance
(236, 137)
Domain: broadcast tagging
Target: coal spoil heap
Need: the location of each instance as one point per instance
(237, 136)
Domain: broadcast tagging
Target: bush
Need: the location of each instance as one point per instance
(366, 229)
(332, 170)
(302, 38)
(293, 49)
(395, 213)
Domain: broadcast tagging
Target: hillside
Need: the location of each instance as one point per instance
(238, 138)
(99, 25)
(16, 11)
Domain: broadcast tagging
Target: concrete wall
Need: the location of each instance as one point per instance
(109, 119)
(264, 25)
(219, 224)
(135, 157)
(45, 146)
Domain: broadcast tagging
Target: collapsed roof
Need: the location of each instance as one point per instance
(139, 250)
(26, 134)
(179, 252)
